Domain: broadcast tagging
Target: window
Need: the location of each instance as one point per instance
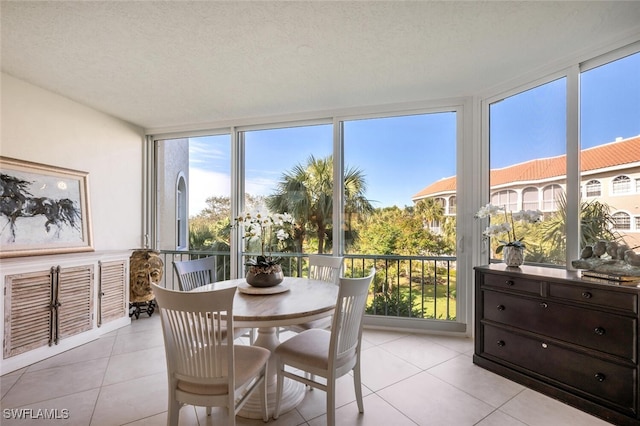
(609, 126)
(399, 157)
(593, 188)
(508, 199)
(182, 224)
(290, 169)
(621, 185)
(530, 200)
(637, 221)
(532, 118)
(193, 193)
(550, 196)
(452, 205)
(622, 221)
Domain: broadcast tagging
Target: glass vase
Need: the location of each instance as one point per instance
(513, 256)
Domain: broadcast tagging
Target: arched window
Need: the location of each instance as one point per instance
(622, 221)
(550, 196)
(452, 204)
(593, 188)
(621, 185)
(182, 223)
(507, 199)
(530, 199)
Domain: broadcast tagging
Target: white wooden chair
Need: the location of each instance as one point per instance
(198, 272)
(204, 367)
(195, 273)
(328, 354)
(324, 268)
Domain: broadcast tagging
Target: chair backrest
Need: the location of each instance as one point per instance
(346, 329)
(195, 273)
(325, 268)
(197, 346)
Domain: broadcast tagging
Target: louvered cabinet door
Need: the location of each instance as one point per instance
(74, 297)
(28, 313)
(112, 298)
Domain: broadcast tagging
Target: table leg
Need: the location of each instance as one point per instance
(292, 392)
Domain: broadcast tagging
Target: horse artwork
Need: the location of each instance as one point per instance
(17, 202)
(41, 212)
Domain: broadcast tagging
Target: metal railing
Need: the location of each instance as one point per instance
(417, 287)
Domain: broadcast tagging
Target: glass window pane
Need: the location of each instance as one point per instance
(407, 166)
(593, 188)
(527, 158)
(197, 170)
(610, 141)
(290, 170)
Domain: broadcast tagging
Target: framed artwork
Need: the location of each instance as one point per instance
(43, 209)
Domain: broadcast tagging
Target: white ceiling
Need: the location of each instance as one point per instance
(181, 63)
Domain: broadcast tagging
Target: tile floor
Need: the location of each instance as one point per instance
(408, 379)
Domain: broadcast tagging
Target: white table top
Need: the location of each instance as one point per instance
(305, 300)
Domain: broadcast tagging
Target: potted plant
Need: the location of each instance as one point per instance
(268, 230)
(512, 247)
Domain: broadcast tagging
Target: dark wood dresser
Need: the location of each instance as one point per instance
(571, 339)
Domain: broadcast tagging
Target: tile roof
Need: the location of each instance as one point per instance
(613, 154)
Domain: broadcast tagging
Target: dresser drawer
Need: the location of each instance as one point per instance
(598, 378)
(606, 332)
(595, 296)
(512, 283)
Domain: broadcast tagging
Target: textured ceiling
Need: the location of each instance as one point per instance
(182, 63)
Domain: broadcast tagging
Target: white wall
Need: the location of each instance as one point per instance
(43, 127)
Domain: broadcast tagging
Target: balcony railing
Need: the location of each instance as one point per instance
(416, 287)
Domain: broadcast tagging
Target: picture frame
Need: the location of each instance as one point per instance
(43, 209)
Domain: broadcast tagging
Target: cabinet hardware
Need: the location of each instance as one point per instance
(545, 346)
(510, 282)
(600, 377)
(587, 294)
(544, 305)
(501, 307)
(599, 331)
(500, 343)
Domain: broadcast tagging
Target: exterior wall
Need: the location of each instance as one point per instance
(628, 202)
(43, 127)
(172, 160)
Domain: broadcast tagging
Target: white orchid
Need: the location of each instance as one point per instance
(507, 227)
(264, 227)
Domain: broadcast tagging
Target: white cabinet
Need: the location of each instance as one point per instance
(54, 303)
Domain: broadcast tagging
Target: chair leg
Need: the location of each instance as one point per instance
(173, 412)
(331, 401)
(280, 382)
(357, 382)
(263, 396)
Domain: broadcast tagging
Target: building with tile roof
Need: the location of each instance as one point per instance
(610, 174)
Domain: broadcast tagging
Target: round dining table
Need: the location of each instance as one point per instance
(294, 301)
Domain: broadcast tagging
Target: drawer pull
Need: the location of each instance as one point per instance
(509, 283)
(500, 307)
(500, 343)
(600, 377)
(599, 331)
(544, 305)
(587, 295)
(545, 346)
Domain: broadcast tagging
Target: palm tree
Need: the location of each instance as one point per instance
(430, 210)
(306, 192)
(596, 223)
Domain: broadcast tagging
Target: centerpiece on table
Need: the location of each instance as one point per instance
(268, 231)
(512, 248)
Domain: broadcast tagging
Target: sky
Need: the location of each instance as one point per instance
(399, 156)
